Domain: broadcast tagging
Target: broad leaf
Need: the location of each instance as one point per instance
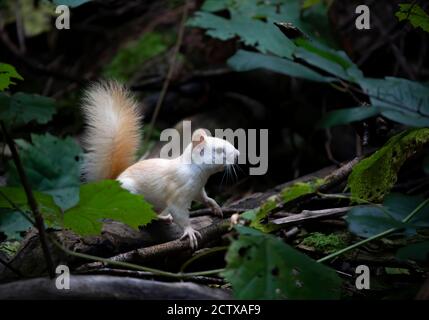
(400, 100)
(247, 61)
(52, 165)
(7, 73)
(261, 35)
(22, 108)
(374, 176)
(106, 200)
(47, 207)
(261, 266)
(415, 14)
(13, 223)
(334, 62)
(367, 221)
(345, 116)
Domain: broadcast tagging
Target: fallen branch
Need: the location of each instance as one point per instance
(208, 234)
(146, 275)
(308, 215)
(339, 175)
(333, 175)
(108, 287)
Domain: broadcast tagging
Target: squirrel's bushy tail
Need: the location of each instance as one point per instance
(113, 130)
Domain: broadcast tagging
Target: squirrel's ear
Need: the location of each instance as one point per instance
(198, 137)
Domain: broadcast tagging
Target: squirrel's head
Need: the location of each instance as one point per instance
(211, 152)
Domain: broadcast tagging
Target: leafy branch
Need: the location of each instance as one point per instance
(38, 219)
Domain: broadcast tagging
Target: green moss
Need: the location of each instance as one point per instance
(9, 248)
(326, 243)
(373, 177)
(300, 189)
(129, 58)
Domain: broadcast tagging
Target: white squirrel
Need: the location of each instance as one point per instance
(112, 138)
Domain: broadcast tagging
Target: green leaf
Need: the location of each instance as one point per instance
(253, 32)
(374, 176)
(332, 61)
(22, 108)
(416, 251)
(71, 3)
(8, 72)
(415, 14)
(401, 205)
(47, 207)
(12, 224)
(300, 189)
(52, 165)
(246, 61)
(400, 100)
(367, 221)
(345, 116)
(261, 266)
(258, 215)
(106, 200)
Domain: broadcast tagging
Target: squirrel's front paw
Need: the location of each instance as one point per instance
(215, 208)
(192, 234)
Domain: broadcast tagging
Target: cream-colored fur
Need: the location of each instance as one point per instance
(170, 185)
(113, 130)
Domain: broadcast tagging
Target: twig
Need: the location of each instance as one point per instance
(170, 72)
(20, 30)
(39, 223)
(339, 175)
(308, 215)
